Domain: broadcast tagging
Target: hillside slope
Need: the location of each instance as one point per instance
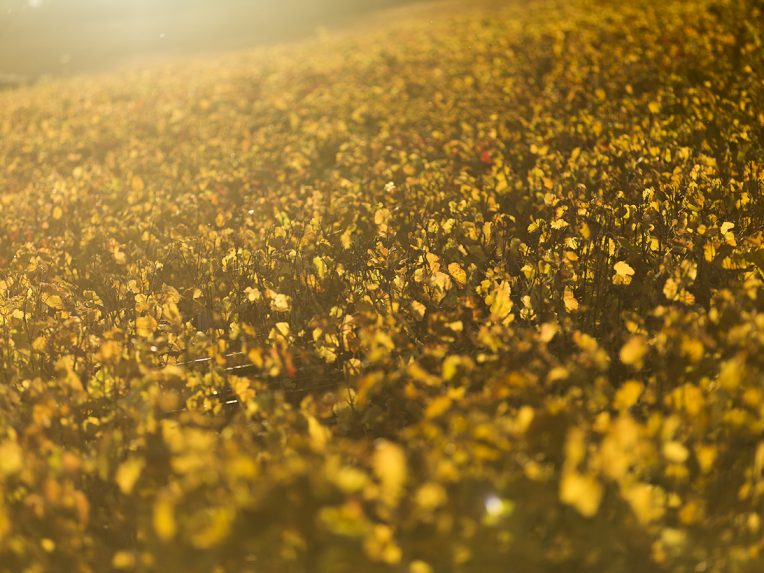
(451, 294)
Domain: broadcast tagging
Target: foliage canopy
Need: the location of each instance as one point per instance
(441, 297)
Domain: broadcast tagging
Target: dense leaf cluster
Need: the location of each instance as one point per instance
(440, 297)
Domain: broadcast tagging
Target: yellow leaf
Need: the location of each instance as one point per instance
(706, 456)
(430, 496)
(548, 331)
(215, 528)
(281, 303)
(458, 274)
(382, 216)
(242, 389)
(128, 473)
(419, 374)
(646, 501)
(441, 281)
(145, 326)
(501, 303)
(571, 304)
(110, 350)
(623, 273)
(282, 328)
(433, 262)
(575, 447)
(693, 349)
(628, 394)
(380, 545)
(349, 479)
(559, 224)
(675, 452)
(253, 294)
(420, 567)
(320, 265)
(389, 463)
(670, 289)
(58, 212)
(346, 239)
(256, 357)
(633, 352)
(164, 519)
(731, 373)
(318, 434)
(53, 301)
(123, 560)
(11, 458)
(438, 406)
(689, 398)
(581, 491)
(451, 366)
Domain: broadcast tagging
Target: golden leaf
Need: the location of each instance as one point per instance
(318, 433)
(581, 491)
(438, 406)
(571, 304)
(458, 274)
(623, 273)
(628, 394)
(128, 473)
(255, 357)
(442, 281)
(389, 463)
(145, 326)
(548, 331)
(164, 519)
(500, 302)
(253, 294)
(675, 452)
(430, 495)
(558, 224)
(647, 501)
(320, 266)
(346, 239)
(633, 352)
(706, 456)
(281, 303)
(670, 289)
(53, 301)
(433, 262)
(11, 458)
(123, 560)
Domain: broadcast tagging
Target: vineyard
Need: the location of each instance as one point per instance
(479, 291)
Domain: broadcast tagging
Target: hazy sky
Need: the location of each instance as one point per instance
(68, 36)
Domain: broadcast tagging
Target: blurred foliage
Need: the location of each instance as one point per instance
(446, 296)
